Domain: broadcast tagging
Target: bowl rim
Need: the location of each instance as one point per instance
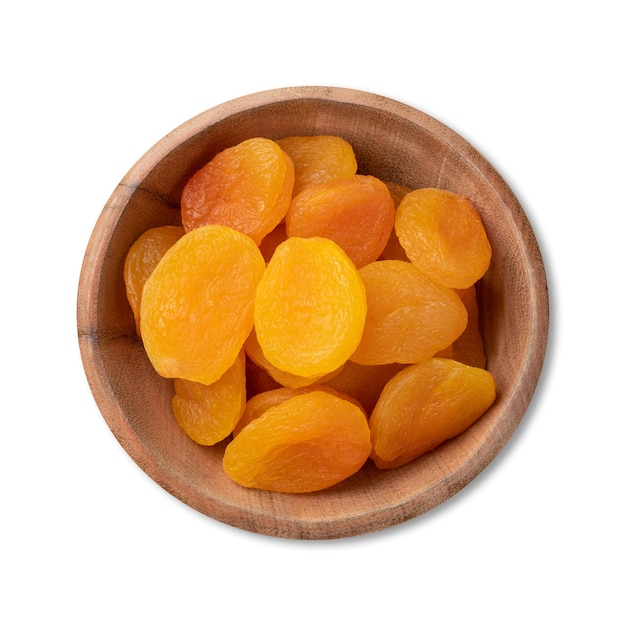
(113, 414)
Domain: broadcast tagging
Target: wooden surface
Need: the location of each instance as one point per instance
(394, 142)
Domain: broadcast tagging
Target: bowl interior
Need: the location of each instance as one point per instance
(391, 141)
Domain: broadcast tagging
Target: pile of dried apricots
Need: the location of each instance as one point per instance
(316, 316)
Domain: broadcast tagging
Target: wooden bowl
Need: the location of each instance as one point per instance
(391, 141)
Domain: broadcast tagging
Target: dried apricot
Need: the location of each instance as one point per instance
(141, 260)
(357, 213)
(363, 382)
(318, 159)
(409, 317)
(469, 347)
(261, 402)
(209, 413)
(307, 443)
(397, 191)
(424, 405)
(393, 249)
(247, 187)
(286, 379)
(197, 305)
(443, 235)
(258, 404)
(310, 307)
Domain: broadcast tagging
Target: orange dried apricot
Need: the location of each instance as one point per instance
(261, 402)
(469, 347)
(258, 404)
(306, 443)
(363, 382)
(197, 305)
(424, 405)
(318, 159)
(397, 191)
(357, 213)
(247, 187)
(286, 379)
(209, 413)
(393, 249)
(443, 235)
(310, 307)
(409, 317)
(141, 260)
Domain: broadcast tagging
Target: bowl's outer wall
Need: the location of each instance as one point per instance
(396, 143)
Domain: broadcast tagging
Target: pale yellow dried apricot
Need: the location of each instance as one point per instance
(209, 413)
(318, 159)
(141, 260)
(409, 317)
(310, 307)
(306, 443)
(443, 235)
(247, 187)
(197, 305)
(357, 213)
(424, 405)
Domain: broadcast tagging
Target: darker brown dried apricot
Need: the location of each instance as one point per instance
(357, 213)
(247, 187)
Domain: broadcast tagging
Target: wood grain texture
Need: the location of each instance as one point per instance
(391, 141)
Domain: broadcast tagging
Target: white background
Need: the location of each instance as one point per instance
(86, 537)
